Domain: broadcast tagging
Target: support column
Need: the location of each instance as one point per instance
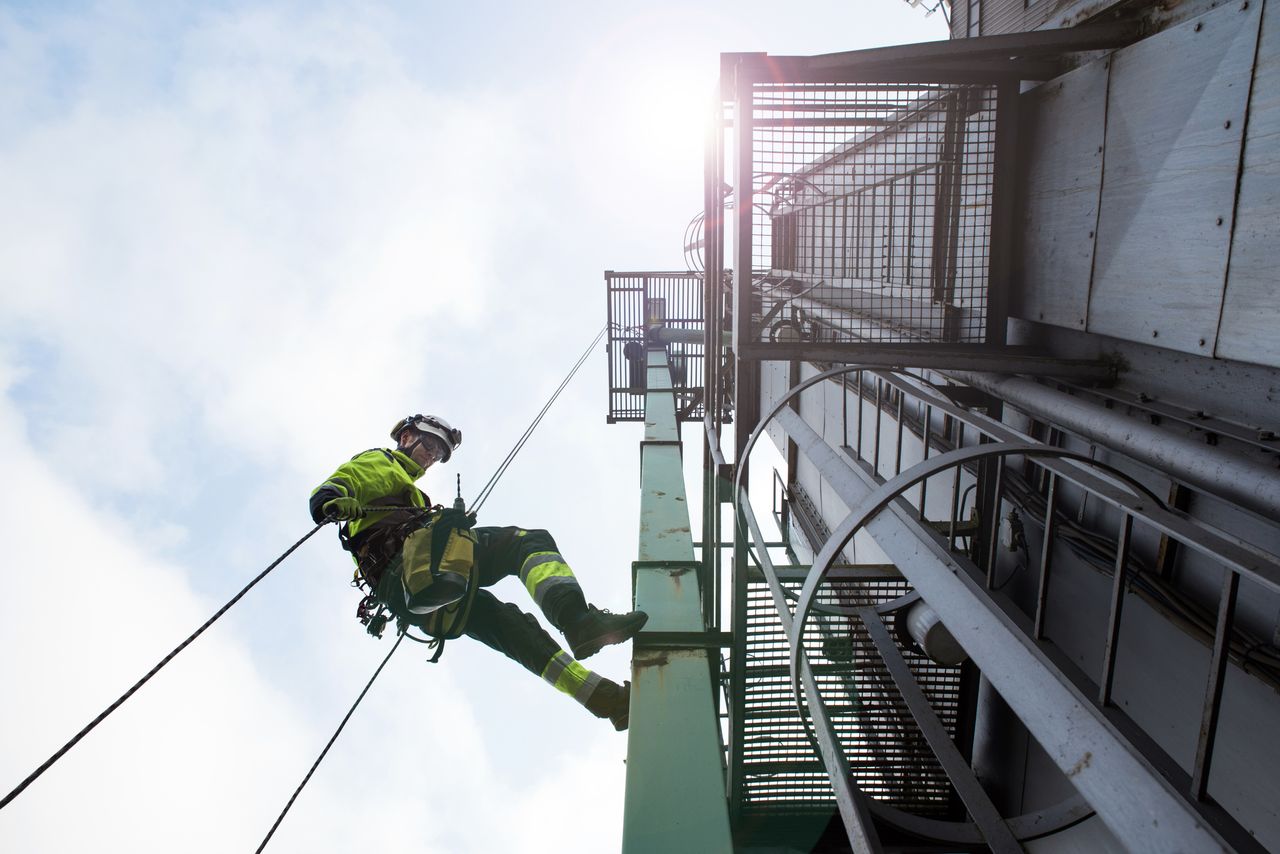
(675, 797)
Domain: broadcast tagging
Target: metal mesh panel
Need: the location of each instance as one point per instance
(635, 299)
(886, 753)
(871, 215)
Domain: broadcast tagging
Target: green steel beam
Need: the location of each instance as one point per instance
(675, 799)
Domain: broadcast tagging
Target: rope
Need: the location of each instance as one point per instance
(153, 671)
(475, 505)
(493, 481)
(332, 739)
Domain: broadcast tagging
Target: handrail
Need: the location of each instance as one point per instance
(1130, 497)
(1183, 808)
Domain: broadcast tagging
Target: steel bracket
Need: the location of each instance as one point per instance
(682, 640)
(670, 567)
(659, 443)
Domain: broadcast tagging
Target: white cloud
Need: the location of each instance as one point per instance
(90, 614)
(240, 241)
(282, 224)
(588, 811)
(211, 744)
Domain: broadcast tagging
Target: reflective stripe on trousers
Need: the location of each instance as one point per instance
(543, 571)
(571, 677)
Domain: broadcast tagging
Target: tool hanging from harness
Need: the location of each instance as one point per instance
(451, 547)
(371, 611)
(421, 571)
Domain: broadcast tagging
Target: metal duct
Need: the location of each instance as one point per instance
(1233, 477)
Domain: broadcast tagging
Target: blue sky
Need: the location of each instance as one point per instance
(240, 241)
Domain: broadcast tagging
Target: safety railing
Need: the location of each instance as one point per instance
(638, 302)
(871, 214)
(864, 210)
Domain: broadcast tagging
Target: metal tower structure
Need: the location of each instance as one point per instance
(1005, 307)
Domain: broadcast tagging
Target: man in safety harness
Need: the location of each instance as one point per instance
(426, 565)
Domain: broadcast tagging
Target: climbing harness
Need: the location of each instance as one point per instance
(371, 611)
(432, 581)
(450, 621)
(433, 557)
(475, 505)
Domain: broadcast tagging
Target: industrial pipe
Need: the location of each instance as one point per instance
(1230, 476)
(672, 335)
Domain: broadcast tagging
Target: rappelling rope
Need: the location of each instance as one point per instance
(493, 481)
(332, 739)
(475, 505)
(488, 488)
(480, 499)
(153, 671)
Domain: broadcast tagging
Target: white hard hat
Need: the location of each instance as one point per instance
(432, 426)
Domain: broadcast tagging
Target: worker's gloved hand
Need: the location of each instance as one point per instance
(343, 509)
(455, 518)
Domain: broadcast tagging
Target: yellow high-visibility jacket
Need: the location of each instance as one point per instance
(376, 476)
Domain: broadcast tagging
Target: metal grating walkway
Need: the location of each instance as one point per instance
(888, 757)
(872, 210)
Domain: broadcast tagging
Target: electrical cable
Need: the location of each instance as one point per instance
(324, 752)
(1098, 550)
(493, 481)
(48, 763)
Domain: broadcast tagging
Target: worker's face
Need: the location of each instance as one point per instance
(426, 453)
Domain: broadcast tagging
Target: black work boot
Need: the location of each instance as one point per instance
(597, 628)
(613, 701)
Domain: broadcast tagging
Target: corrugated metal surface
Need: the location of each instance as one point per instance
(1015, 16)
(1040, 11)
(1002, 16)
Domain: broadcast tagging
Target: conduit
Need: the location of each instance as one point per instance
(1230, 476)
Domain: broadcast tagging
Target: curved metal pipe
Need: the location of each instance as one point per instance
(1230, 476)
(890, 490)
(1120, 781)
(1025, 827)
